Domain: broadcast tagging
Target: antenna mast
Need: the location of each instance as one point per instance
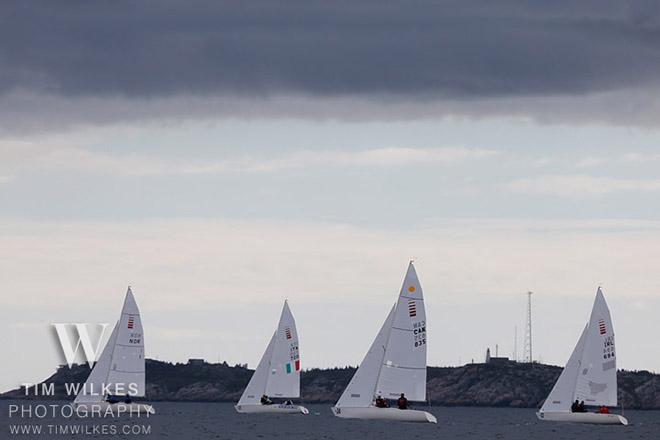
(527, 350)
(515, 343)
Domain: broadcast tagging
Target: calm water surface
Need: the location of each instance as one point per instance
(220, 421)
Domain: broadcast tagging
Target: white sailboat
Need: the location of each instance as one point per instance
(119, 373)
(395, 363)
(589, 375)
(278, 372)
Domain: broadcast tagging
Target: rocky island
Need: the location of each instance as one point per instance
(505, 384)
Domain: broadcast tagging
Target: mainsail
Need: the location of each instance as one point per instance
(120, 368)
(278, 372)
(596, 381)
(396, 361)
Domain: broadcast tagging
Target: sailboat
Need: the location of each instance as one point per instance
(278, 372)
(395, 363)
(119, 373)
(589, 375)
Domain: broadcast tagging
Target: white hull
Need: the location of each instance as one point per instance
(114, 409)
(594, 418)
(373, 413)
(271, 409)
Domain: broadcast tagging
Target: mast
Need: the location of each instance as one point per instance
(527, 351)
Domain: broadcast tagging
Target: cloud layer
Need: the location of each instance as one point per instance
(449, 49)
(430, 52)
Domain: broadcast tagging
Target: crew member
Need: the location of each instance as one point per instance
(402, 402)
(380, 402)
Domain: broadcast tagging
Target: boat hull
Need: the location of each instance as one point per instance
(271, 409)
(373, 413)
(115, 409)
(593, 418)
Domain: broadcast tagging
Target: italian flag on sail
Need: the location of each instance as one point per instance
(288, 367)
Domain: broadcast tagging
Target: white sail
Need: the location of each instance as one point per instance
(120, 368)
(396, 361)
(278, 372)
(596, 382)
(361, 389)
(563, 393)
(92, 390)
(257, 385)
(284, 377)
(404, 364)
(127, 366)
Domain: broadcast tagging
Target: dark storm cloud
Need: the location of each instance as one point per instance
(417, 50)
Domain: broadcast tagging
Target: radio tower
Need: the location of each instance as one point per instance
(527, 350)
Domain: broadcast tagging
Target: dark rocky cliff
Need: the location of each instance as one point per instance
(508, 384)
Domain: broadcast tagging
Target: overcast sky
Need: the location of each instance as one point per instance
(220, 157)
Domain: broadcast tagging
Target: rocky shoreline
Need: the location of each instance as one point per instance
(507, 384)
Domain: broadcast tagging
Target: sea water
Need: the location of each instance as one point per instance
(220, 421)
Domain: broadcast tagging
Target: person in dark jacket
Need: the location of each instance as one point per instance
(380, 402)
(575, 406)
(402, 402)
(265, 400)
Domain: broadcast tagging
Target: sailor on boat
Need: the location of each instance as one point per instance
(380, 402)
(277, 374)
(116, 399)
(395, 364)
(578, 407)
(402, 403)
(589, 375)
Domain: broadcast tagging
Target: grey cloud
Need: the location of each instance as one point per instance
(79, 62)
(441, 49)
